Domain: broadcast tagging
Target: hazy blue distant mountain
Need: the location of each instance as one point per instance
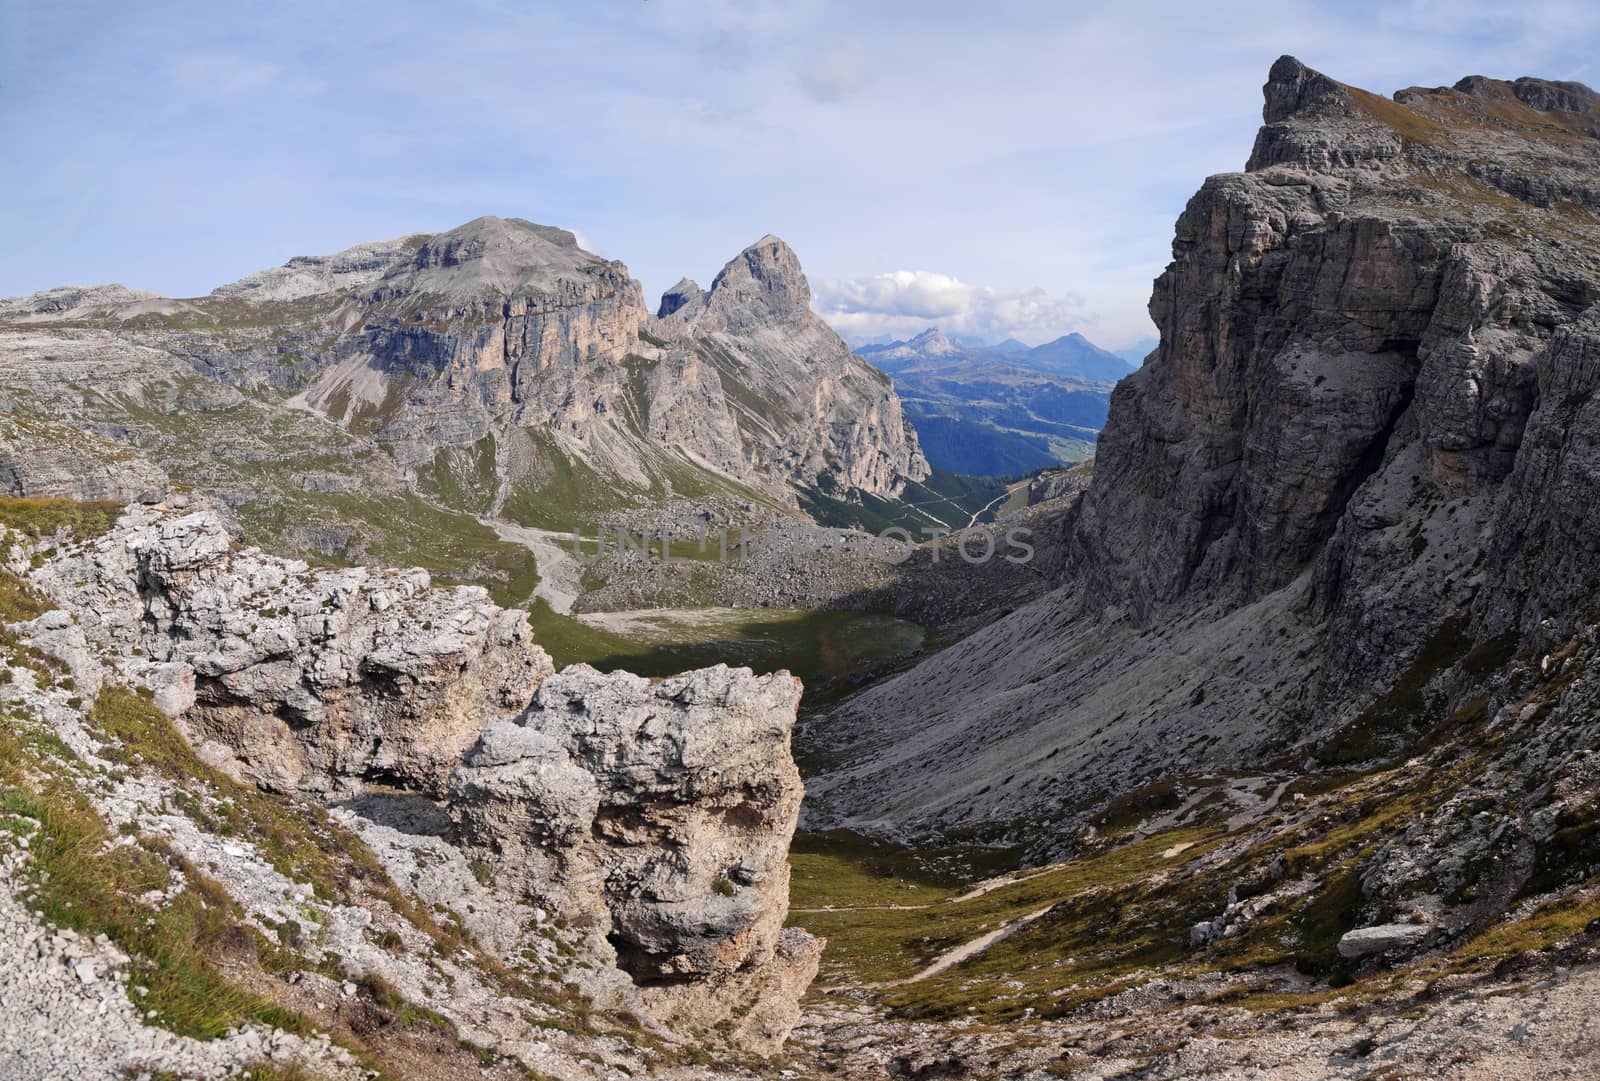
(1073, 354)
(1002, 409)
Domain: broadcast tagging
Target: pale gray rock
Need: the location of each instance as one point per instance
(315, 679)
(64, 300)
(659, 814)
(684, 299)
(314, 275)
(56, 634)
(1382, 938)
(44, 459)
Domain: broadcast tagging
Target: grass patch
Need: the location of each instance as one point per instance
(821, 647)
(19, 601)
(878, 944)
(844, 868)
(40, 518)
(403, 531)
(462, 478)
(1552, 923)
(78, 879)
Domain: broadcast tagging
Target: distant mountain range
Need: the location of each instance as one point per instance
(1001, 409)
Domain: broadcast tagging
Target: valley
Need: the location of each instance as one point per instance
(426, 660)
(1006, 410)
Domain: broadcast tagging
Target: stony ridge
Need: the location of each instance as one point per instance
(498, 362)
(1366, 410)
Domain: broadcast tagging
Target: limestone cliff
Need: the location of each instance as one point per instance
(1357, 454)
(804, 407)
(502, 369)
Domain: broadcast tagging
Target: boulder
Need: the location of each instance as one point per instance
(1366, 941)
(658, 814)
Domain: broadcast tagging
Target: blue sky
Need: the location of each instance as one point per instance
(998, 167)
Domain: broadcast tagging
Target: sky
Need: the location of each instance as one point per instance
(1002, 168)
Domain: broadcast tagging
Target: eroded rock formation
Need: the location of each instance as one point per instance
(655, 815)
(308, 679)
(661, 814)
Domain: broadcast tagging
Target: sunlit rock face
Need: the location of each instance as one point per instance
(1365, 429)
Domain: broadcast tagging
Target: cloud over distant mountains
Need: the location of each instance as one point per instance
(904, 302)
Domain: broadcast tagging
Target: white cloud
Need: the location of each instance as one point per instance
(905, 302)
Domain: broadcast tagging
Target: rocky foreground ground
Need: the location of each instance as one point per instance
(262, 815)
(571, 873)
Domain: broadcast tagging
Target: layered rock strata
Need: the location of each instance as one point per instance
(1358, 452)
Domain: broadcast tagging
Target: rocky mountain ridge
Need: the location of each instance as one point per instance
(1001, 412)
(504, 371)
(1071, 356)
(1368, 406)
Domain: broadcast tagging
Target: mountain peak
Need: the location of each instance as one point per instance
(932, 342)
(64, 298)
(1292, 89)
(502, 255)
(763, 283)
(483, 238)
(685, 294)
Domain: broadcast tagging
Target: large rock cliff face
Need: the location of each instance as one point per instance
(804, 407)
(499, 320)
(651, 819)
(504, 370)
(1357, 453)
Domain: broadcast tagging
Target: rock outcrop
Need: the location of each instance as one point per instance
(659, 814)
(73, 300)
(654, 816)
(1053, 484)
(1357, 454)
(307, 679)
(1381, 938)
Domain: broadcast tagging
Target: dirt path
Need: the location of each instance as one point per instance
(953, 957)
(1001, 498)
(560, 575)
